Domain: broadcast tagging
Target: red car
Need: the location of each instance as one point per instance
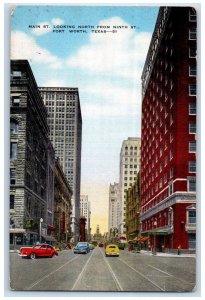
(40, 250)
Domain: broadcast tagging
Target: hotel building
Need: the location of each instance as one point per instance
(168, 151)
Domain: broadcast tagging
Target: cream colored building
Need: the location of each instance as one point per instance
(85, 211)
(129, 167)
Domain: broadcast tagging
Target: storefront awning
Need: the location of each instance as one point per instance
(17, 230)
(157, 233)
(51, 228)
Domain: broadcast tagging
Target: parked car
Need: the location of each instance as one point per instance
(40, 250)
(81, 247)
(112, 250)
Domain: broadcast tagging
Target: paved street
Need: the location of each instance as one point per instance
(95, 272)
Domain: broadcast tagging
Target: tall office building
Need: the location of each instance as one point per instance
(85, 211)
(113, 217)
(65, 122)
(32, 159)
(129, 167)
(168, 152)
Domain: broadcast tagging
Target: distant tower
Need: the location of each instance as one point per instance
(113, 218)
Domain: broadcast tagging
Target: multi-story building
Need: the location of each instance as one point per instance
(85, 211)
(133, 209)
(62, 205)
(65, 122)
(113, 215)
(129, 167)
(168, 151)
(31, 158)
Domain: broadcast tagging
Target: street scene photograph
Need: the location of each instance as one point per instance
(103, 148)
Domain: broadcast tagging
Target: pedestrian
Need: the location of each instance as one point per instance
(179, 250)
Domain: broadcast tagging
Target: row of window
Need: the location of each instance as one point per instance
(191, 187)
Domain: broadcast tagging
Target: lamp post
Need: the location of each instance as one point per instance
(154, 249)
(41, 220)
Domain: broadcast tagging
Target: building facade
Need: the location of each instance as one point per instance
(133, 210)
(168, 152)
(129, 167)
(31, 158)
(65, 123)
(113, 214)
(62, 205)
(85, 211)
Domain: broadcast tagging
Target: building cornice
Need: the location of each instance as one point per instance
(154, 46)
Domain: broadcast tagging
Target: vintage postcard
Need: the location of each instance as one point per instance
(103, 148)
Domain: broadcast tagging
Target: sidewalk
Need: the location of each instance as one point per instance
(146, 252)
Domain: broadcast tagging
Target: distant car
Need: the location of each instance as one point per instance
(101, 245)
(112, 250)
(40, 250)
(91, 246)
(81, 247)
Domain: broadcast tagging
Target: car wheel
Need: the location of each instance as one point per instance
(33, 255)
(51, 255)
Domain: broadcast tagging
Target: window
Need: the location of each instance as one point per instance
(16, 74)
(15, 100)
(192, 108)
(13, 127)
(192, 127)
(192, 146)
(192, 184)
(13, 151)
(192, 166)
(192, 16)
(171, 153)
(192, 216)
(192, 52)
(192, 240)
(171, 188)
(192, 90)
(192, 33)
(192, 71)
(171, 172)
(12, 176)
(12, 198)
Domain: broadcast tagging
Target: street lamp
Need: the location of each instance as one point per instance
(41, 220)
(154, 249)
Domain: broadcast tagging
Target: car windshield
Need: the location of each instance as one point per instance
(37, 246)
(82, 244)
(112, 247)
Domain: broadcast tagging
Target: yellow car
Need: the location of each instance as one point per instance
(112, 250)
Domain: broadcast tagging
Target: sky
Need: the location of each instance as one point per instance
(105, 67)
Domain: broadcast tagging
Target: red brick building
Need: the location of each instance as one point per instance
(168, 145)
